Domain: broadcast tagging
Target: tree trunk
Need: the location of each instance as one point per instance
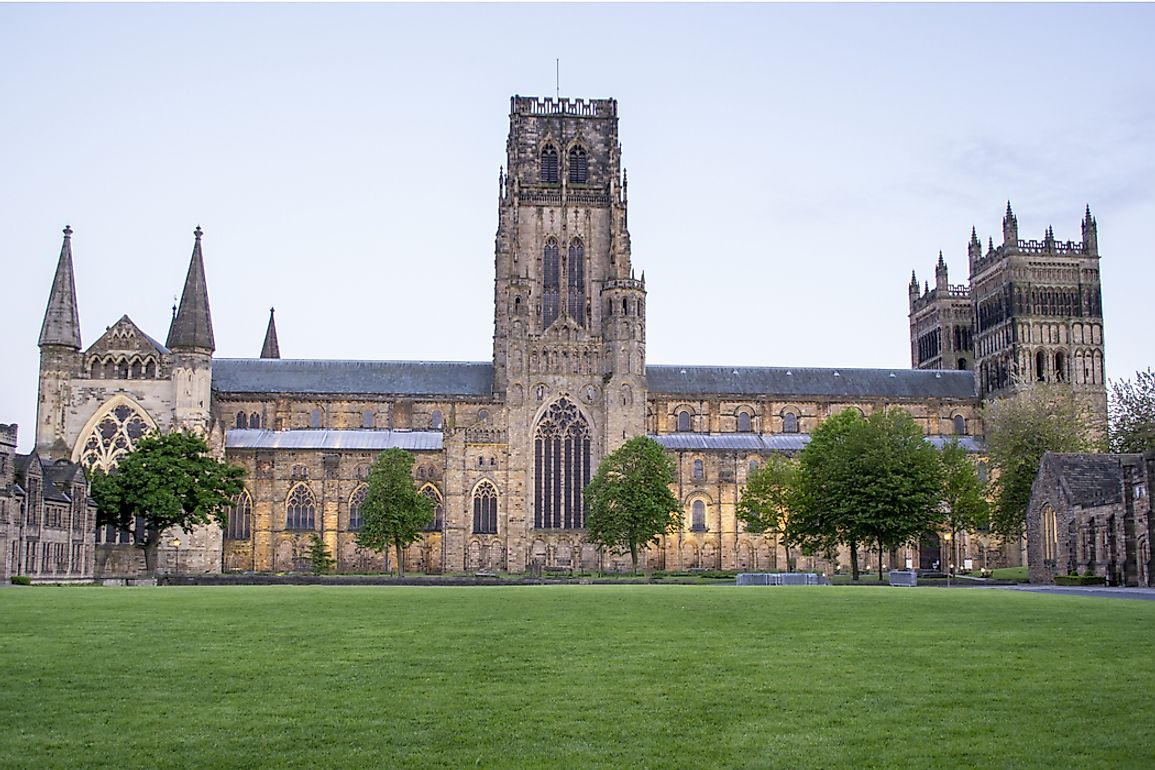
(853, 560)
(150, 550)
(880, 559)
(400, 562)
(634, 556)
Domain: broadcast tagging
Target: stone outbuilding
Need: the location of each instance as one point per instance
(1091, 514)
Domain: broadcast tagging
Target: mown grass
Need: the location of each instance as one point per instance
(1011, 573)
(573, 677)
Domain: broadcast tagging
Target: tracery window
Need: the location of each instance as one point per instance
(301, 508)
(698, 516)
(438, 521)
(485, 509)
(577, 281)
(683, 421)
(744, 422)
(240, 518)
(356, 500)
(561, 467)
(579, 168)
(114, 434)
(549, 164)
(551, 282)
(789, 422)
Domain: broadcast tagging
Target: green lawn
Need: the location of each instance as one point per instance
(573, 677)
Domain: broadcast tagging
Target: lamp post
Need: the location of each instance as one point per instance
(176, 547)
(947, 537)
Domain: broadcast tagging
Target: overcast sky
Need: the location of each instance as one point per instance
(788, 166)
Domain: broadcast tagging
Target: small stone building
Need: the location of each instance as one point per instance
(1091, 513)
(46, 517)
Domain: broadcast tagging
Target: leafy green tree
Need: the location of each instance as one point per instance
(1019, 430)
(766, 501)
(319, 557)
(394, 512)
(629, 501)
(965, 505)
(863, 481)
(1131, 412)
(168, 480)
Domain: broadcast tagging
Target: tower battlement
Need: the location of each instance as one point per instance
(546, 105)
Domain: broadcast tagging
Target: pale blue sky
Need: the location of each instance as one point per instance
(788, 166)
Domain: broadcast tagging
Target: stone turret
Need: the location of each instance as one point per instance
(271, 349)
(1090, 234)
(190, 340)
(974, 248)
(940, 275)
(1010, 228)
(60, 357)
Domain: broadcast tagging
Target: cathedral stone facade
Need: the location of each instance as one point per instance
(504, 447)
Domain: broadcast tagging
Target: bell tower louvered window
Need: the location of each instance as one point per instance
(549, 160)
(561, 450)
(579, 169)
(551, 283)
(576, 299)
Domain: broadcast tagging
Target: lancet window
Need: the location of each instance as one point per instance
(485, 509)
(549, 164)
(579, 168)
(356, 500)
(561, 467)
(551, 282)
(576, 300)
(698, 516)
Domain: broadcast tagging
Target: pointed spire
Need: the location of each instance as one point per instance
(913, 279)
(1090, 233)
(61, 320)
(975, 247)
(192, 327)
(1010, 228)
(271, 349)
(941, 263)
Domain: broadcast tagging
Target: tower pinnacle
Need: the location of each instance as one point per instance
(61, 320)
(271, 349)
(192, 326)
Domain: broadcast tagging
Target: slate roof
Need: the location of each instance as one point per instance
(475, 378)
(775, 442)
(402, 378)
(1088, 479)
(415, 440)
(800, 382)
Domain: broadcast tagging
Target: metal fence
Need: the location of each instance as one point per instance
(779, 579)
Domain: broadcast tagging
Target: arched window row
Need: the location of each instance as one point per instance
(240, 518)
(124, 368)
(577, 162)
(251, 421)
(301, 508)
(485, 509)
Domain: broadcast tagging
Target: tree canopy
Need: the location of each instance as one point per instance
(1019, 430)
(965, 506)
(394, 511)
(863, 481)
(629, 501)
(765, 505)
(1131, 413)
(168, 480)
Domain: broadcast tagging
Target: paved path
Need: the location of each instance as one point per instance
(1101, 592)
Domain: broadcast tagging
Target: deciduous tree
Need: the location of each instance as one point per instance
(965, 506)
(394, 511)
(767, 498)
(168, 480)
(629, 501)
(1019, 430)
(1131, 413)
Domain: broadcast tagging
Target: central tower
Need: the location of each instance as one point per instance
(569, 315)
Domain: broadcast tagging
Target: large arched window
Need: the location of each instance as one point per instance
(485, 509)
(240, 518)
(1050, 533)
(300, 508)
(254, 420)
(356, 500)
(698, 516)
(438, 521)
(744, 422)
(683, 421)
(242, 420)
(561, 466)
(551, 282)
(576, 298)
(579, 165)
(549, 164)
(112, 432)
(789, 422)
(960, 425)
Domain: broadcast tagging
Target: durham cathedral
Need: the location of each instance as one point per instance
(505, 447)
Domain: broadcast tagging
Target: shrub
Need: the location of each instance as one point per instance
(21, 580)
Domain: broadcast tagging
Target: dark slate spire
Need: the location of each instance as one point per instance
(61, 321)
(192, 326)
(271, 349)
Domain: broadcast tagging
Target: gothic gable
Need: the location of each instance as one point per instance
(125, 351)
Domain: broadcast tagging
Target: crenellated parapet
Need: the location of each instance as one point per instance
(585, 108)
